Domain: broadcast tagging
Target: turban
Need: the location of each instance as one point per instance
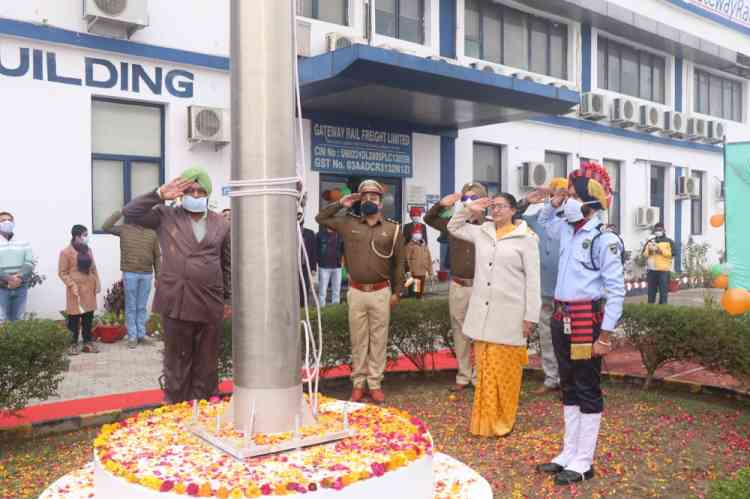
(199, 175)
(558, 183)
(592, 184)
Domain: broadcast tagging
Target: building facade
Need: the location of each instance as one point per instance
(424, 95)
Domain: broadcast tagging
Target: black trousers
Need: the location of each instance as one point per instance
(191, 352)
(658, 280)
(579, 379)
(83, 322)
(305, 285)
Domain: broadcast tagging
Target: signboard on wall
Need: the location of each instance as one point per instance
(347, 148)
(736, 11)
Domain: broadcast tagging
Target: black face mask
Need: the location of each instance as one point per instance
(369, 208)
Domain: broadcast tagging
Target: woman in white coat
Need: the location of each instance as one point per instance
(503, 309)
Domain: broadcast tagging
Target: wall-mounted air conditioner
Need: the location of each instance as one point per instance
(394, 48)
(116, 18)
(696, 129)
(208, 124)
(650, 119)
(437, 58)
(687, 186)
(481, 66)
(646, 216)
(715, 131)
(534, 175)
(523, 76)
(335, 41)
(624, 112)
(594, 106)
(674, 124)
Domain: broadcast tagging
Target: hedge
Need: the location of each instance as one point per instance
(32, 361)
(737, 487)
(705, 335)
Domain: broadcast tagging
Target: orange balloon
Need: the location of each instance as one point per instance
(721, 282)
(736, 301)
(717, 220)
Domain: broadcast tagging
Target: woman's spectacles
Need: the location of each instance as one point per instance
(499, 207)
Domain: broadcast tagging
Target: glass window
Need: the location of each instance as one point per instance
(403, 19)
(487, 167)
(392, 198)
(126, 159)
(630, 71)
(515, 39)
(657, 190)
(500, 34)
(696, 207)
(613, 168)
(332, 11)
(717, 96)
(559, 161)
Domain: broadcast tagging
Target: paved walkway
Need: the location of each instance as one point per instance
(117, 369)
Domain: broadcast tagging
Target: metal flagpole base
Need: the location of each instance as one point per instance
(221, 433)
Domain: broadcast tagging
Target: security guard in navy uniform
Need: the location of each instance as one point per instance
(374, 251)
(589, 296)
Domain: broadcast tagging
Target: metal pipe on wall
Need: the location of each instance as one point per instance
(265, 323)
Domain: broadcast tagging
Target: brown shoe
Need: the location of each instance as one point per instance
(458, 387)
(377, 396)
(357, 394)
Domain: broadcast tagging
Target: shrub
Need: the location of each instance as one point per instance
(737, 487)
(114, 301)
(417, 329)
(32, 361)
(706, 335)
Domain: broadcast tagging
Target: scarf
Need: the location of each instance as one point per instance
(84, 260)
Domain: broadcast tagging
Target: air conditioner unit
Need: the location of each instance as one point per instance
(208, 124)
(523, 76)
(650, 118)
(335, 41)
(480, 66)
(535, 175)
(437, 58)
(696, 128)
(646, 216)
(393, 48)
(594, 106)
(624, 112)
(115, 18)
(715, 131)
(674, 124)
(687, 186)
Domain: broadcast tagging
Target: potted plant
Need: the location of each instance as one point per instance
(109, 328)
(674, 282)
(112, 324)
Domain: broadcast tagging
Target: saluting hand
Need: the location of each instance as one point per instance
(479, 205)
(537, 196)
(349, 200)
(174, 189)
(450, 200)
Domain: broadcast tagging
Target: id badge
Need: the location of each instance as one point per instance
(567, 329)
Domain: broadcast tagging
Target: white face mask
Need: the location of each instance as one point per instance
(7, 226)
(416, 237)
(572, 210)
(84, 240)
(195, 205)
(659, 233)
(416, 220)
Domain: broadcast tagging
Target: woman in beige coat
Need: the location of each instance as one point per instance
(77, 271)
(504, 307)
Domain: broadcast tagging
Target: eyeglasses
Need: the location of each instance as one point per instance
(473, 197)
(499, 207)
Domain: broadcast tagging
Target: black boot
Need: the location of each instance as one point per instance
(551, 468)
(568, 477)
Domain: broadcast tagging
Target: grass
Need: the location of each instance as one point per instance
(653, 444)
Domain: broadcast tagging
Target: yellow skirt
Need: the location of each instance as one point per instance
(499, 374)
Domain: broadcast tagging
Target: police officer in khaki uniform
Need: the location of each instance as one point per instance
(374, 252)
(462, 276)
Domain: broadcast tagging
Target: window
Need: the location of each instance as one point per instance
(403, 19)
(559, 161)
(613, 169)
(127, 157)
(487, 164)
(696, 207)
(717, 96)
(391, 200)
(503, 35)
(332, 11)
(630, 71)
(657, 190)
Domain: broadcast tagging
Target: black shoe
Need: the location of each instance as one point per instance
(569, 477)
(551, 468)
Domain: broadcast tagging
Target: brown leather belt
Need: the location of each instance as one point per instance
(367, 288)
(467, 283)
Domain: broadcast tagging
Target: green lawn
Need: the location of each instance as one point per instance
(655, 444)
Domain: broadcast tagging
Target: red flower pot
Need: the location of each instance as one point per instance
(442, 275)
(674, 286)
(109, 334)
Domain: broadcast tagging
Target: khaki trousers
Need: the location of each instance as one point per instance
(458, 304)
(369, 317)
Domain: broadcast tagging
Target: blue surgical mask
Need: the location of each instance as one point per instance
(7, 227)
(369, 208)
(195, 205)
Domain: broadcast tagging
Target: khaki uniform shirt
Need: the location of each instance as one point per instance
(419, 259)
(461, 252)
(365, 247)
